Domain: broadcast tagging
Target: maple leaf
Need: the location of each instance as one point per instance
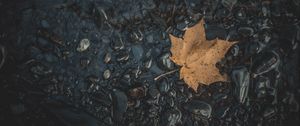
(198, 56)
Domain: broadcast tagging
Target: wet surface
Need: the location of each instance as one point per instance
(106, 62)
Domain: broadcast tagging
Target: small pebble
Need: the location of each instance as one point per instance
(83, 45)
(106, 74)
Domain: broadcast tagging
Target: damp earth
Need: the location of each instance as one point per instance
(107, 63)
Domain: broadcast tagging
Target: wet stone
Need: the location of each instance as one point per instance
(138, 52)
(241, 78)
(108, 121)
(153, 91)
(171, 117)
(137, 72)
(45, 24)
(107, 57)
(215, 31)
(262, 83)
(245, 31)
(105, 39)
(163, 85)
(84, 62)
(137, 35)
(240, 13)
(106, 74)
(150, 38)
(123, 56)
(119, 104)
(83, 45)
(182, 26)
(199, 108)
(194, 6)
(165, 62)
(229, 3)
(265, 63)
(148, 63)
(93, 79)
(137, 93)
(175, 32)
(117, 43)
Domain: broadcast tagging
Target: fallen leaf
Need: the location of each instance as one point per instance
(198, 56)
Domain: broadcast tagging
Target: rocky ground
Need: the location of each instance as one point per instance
(104, 62)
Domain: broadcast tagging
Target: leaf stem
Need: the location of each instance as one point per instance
(164, 74)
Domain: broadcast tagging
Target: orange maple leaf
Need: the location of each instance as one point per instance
(198, 56)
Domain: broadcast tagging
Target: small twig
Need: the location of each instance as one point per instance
(164, 74)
